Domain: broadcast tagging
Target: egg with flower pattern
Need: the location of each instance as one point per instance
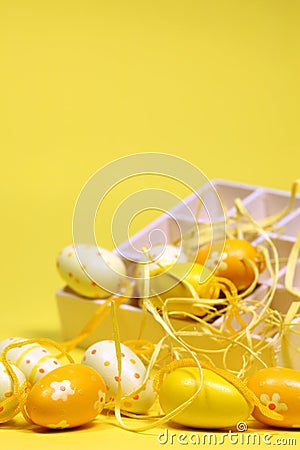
(278, 388)
(67, 397)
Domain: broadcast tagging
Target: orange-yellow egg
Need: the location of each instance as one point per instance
(278, 388)
(230, 261)
(67, 397)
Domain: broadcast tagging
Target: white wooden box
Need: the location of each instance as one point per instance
(76, 311)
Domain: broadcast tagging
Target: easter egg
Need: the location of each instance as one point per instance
(229, 261)
(167, 282)
(218, 405)
(102, 357)
(32, 359)
(278, 388)
(7, 390)
(67, 397)
(141, 402)
(91, 271)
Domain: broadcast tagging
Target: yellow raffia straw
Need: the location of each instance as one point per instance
(290, 316)
(235, 226)
(21, 390)
(98, 317)
(291, 268)
(154, 421)
(261, 315)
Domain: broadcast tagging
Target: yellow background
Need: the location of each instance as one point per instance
(85, 82)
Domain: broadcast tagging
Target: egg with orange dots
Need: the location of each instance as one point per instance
(67, 397)
(233, 260)
(278, 388)
(137, 396)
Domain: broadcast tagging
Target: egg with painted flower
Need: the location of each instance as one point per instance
(67, 397)
(278, 388)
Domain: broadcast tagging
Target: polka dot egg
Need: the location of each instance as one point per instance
(91, 271)
(102, 357)
(7, 390)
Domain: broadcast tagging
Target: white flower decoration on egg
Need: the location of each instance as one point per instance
(274, 402)
(217, 260)
(59, 426)
(61, 390)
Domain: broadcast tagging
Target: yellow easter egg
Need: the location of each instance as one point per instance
(218, 405)
(169, 282)
(67, 397)
(278, 388)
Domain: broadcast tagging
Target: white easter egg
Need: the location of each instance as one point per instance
(33, 360)
(7, 389)
(141, 402)
(91, 271)
(102, 357)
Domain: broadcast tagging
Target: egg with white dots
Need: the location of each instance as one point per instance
(9, 408)
(91, 271)
(32, 359)
(102, 357)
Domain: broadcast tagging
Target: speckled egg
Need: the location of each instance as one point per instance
(278, 388)
(102, 357)
(7, 390)
(91, 271)
(140, 402)
(68, 397)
